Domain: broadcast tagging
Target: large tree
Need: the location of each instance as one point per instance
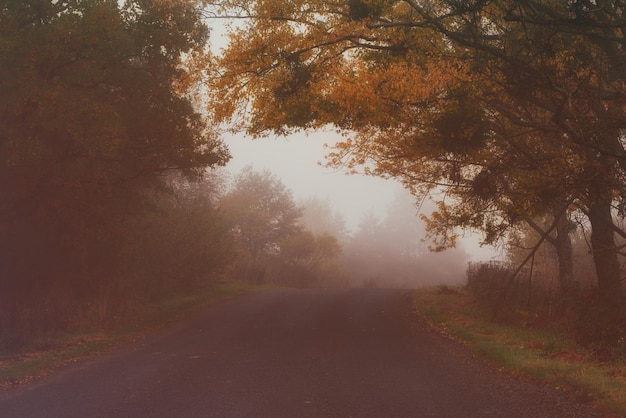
(90, 115)
(514, 109)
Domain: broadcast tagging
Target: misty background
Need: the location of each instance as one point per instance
(378, 225)
(298, 160)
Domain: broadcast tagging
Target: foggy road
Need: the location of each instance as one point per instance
(291, 353)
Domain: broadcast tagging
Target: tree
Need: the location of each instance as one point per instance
(310, 260)
(182, 243)
(84, 85)
(261, 213)
(515, 109)
(558, 65)
(91, 115)
(319, 218)
(392, 251)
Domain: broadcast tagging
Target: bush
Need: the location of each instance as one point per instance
(490, 284)
(601, 329)
(505, 295)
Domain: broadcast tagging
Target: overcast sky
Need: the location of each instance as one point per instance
(296, 160)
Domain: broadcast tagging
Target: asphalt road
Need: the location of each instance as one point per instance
(291, 353)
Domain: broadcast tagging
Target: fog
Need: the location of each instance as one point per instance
(298, 160)
(382, 236)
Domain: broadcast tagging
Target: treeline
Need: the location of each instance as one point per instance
(93, 117)
(193, 232)
(272, 243)
(307, 243)
(392, 251)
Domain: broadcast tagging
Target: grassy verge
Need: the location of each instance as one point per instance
(46, 355)
(545, 355)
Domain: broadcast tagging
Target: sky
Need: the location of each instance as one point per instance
(298, 161)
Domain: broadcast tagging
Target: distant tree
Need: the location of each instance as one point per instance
(393, 251)
(362, 258)
(261, 213)
(318, 217)
(310, 260)
(404, 230)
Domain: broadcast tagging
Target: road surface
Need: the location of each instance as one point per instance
(291, 353)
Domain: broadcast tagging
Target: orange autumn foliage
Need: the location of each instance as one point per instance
(505, 110)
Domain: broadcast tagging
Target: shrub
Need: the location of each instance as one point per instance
(496, 288)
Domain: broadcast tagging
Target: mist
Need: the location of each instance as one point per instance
(387, 250)
(376, 221)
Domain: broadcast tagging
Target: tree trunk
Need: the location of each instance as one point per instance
(605, 252)
(563, 246)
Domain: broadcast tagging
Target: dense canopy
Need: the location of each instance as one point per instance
(91, 117)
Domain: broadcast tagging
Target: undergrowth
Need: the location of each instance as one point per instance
(48, 352)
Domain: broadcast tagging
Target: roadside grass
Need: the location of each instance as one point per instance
(47, 354)
(543, 354)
